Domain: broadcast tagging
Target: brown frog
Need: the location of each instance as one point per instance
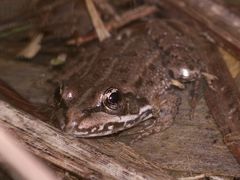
(129, 81)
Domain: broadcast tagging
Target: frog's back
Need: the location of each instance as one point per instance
(131, 64)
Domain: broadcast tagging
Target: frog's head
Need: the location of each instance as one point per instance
(100, 112)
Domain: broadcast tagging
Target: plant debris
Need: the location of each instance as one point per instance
(102, 32)
(32, 48)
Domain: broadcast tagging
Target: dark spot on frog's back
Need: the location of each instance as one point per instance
(131, 53)
(191, 67)
(96, 75)
(138, 83)
(123, 70)
(123, 81)
(152, 67)
(104, 60)
(150, 83)
(171, 74)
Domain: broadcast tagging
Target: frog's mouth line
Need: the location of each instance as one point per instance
(115, 123)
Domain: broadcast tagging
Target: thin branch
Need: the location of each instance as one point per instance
(102, 32)
(125, 18)
(107, 8)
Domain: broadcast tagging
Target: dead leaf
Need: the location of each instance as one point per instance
(232, 62)
(32, 48)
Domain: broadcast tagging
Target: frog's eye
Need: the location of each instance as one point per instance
(112, 98)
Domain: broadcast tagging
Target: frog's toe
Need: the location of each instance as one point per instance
(177, 83)
(210, 78)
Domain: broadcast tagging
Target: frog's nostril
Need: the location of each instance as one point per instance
(70, 126)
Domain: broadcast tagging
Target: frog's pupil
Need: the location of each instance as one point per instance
(114, 98)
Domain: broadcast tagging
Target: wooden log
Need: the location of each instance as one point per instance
(86, 158)
(14, 155)
(224, 104)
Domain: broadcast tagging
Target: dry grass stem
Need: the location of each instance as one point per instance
(102, 32)
(125, 18)
(107, 8)
(32, 48)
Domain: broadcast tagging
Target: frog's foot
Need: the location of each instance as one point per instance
(177, 83)
(210, 78)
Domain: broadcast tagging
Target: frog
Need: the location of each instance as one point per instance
(130, 81)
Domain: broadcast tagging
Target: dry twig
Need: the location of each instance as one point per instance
(32, 48)
(125, 18)
(102, 32)
(107, 8)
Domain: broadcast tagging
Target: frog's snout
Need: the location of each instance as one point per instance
(73, 117)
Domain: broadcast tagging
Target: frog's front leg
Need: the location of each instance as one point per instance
(163, 118)
(189, 72)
